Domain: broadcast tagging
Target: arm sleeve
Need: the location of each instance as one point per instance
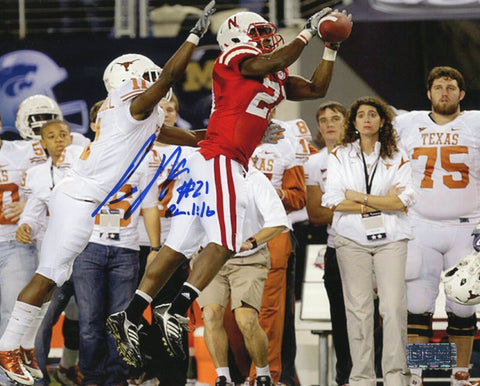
(404, 178)
(293, 186)
(34, 214)
(335, 188)
(268, 203)
(312, 172)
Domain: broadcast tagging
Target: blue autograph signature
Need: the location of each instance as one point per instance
(177, 169)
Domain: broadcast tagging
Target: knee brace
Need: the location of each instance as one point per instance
(71, 331)
(420, 324)
(458, 326)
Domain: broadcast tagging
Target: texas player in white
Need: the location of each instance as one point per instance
(298, 133)
(444, 150)
(279, 163)
(17, 261)
(37, 185)
(39, 182)
(126, 122)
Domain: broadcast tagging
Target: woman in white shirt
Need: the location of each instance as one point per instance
(369, 189)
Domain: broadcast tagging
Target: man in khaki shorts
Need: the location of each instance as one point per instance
(241, 280)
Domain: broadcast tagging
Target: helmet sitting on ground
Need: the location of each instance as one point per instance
(462, 281)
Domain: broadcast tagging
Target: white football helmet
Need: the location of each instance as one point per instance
(462, 281)
(251, 28)
(126, 67)
(33, 112)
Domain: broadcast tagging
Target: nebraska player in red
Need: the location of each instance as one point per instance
(249, 79)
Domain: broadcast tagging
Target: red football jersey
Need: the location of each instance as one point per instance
(241, 106)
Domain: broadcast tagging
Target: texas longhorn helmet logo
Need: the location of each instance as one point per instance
(126, 65)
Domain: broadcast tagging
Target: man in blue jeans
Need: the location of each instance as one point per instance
(105, 276)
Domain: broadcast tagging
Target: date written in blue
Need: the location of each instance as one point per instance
(200, 210)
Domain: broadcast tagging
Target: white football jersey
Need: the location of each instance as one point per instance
(445, 161)
(273, 160)
(299, 134)
(15, 158)
(119, 139)
(122, 201)
(79, 139)
(153, 160)
(37, 186)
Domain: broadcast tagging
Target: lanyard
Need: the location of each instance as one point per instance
(368, 183)
(51, 175)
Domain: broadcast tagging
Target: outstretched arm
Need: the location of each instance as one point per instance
(298, 88)
(172, 135)
(283, 57)
(143, 105)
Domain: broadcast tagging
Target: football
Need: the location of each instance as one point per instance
(334, 27)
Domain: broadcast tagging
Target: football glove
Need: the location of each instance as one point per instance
(273, 134)
(312, 23)
(201, 27)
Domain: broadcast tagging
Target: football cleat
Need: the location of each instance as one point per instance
(68, 376)
(222, 381)
(264, 380)
(125, 334)
(30, 362)
(172, 328)
(462, 378)
(11, 364)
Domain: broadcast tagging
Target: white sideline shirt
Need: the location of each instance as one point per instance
(346, 172)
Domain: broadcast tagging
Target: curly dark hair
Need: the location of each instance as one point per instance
(386, 135)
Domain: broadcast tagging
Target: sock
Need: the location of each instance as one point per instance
(71, 334)
(224, 371)
(69, 357)
(456, 369)
(263, 371)
(139, 303)
(23, 315)
(184, 299)
(28, 339)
